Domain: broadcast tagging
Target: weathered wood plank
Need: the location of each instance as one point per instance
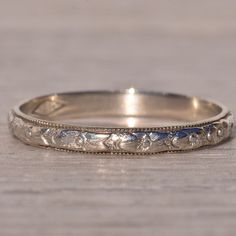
(179, 46)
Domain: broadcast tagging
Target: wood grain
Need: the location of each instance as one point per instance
(57, 45)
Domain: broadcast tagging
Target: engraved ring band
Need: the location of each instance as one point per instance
(120, 122)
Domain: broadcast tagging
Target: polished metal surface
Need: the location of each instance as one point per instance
(128, 122)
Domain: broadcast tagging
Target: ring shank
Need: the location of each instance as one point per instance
(117, 104)
(47, 122)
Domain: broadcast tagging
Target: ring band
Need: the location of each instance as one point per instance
(49, 121)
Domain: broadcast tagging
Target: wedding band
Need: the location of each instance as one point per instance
(121, 122)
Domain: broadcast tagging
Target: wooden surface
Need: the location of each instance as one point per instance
(183, 46)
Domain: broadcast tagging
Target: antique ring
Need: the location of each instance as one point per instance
(121, 122)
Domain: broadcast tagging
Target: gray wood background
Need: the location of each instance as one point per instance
(182, 46)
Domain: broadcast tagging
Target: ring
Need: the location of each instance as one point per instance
(120, 122)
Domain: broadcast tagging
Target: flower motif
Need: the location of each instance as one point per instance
(145, 143)
(175, 142)
(194, 139)
(113, 142)
(71, 139)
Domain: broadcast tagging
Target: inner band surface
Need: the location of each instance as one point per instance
(118, 105)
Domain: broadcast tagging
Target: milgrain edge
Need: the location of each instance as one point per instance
(138, 141)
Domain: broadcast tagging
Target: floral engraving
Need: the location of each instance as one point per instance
(127, 142)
